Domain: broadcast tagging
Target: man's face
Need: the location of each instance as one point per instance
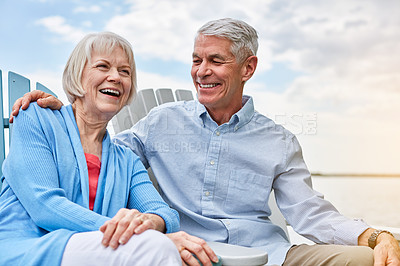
(217, 76)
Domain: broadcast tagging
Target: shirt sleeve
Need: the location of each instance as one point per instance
(305, 209)
(31, 171)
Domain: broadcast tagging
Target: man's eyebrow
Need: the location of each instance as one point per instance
(212, 56)
(217, 56)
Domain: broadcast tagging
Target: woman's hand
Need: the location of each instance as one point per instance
(126, 223)
(189, 245)
(43, 99)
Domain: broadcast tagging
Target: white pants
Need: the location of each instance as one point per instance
(148, 248)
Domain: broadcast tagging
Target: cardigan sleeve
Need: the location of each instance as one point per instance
(32, 173)
(144, 197)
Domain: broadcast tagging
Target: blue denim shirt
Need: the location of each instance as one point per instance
(219, 178)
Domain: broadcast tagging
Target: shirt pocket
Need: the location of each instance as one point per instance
(247, 192)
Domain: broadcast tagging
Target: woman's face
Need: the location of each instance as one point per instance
(107, 80)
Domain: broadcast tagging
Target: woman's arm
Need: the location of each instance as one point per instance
(146, 210)
(32, 173)
(145, 198)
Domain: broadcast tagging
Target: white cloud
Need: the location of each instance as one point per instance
(166, 29)
(162, 30)
(88, 9)
(348, 51)
(59, 26)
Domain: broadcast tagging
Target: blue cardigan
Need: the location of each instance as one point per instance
(45, 193)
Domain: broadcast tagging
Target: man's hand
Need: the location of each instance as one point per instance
(126, 223)
(189, 245)
(43, 99)
(386, 251)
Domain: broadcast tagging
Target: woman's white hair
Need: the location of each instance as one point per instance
(103, 42)
(243, 36)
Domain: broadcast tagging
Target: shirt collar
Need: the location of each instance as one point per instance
(240, 118)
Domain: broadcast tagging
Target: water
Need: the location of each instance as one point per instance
(374, 199)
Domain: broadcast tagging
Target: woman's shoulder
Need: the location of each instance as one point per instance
(42, 117)
(126, 158)
(35, 110)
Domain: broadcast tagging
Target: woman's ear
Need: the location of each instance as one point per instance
(249, 67)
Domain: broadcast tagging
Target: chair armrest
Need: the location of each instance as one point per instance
(238, 255)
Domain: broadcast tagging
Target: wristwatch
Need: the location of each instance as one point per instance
(374, 236)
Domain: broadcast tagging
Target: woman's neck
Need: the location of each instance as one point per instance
(92, 130)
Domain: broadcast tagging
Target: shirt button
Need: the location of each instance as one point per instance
(217, 133)
(207, 193)
(228, 223)
(212, 162)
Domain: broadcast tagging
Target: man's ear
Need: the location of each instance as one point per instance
(249, 67)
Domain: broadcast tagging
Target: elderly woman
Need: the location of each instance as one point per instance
(72, 197)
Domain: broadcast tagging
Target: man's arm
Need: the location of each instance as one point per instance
(43, 99)
(387, 249)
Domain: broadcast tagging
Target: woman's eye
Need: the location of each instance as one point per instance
(126, 72)
(102, 66)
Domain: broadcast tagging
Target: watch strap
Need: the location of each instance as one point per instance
(374, 236)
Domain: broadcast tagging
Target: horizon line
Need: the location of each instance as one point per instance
(356, 174)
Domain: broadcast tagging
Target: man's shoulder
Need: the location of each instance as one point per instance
(180, 107)
(269, 125)
(177, 105)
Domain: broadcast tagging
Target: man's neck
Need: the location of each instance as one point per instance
(221, 116)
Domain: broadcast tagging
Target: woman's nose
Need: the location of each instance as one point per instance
(113, 75)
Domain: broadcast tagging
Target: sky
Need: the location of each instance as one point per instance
(329, 71)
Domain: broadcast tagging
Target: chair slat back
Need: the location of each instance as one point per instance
(164, 95)
(3, 122)
(122, 120)
(183, 95)
(145, 100)
(17, 86)
(41, 87)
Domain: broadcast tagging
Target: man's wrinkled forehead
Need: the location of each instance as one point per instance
(214, 50)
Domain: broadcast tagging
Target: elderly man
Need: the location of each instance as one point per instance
(216, 160)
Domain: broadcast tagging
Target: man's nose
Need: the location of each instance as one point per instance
(204, 70)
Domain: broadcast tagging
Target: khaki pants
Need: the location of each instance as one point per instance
(332, 255)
